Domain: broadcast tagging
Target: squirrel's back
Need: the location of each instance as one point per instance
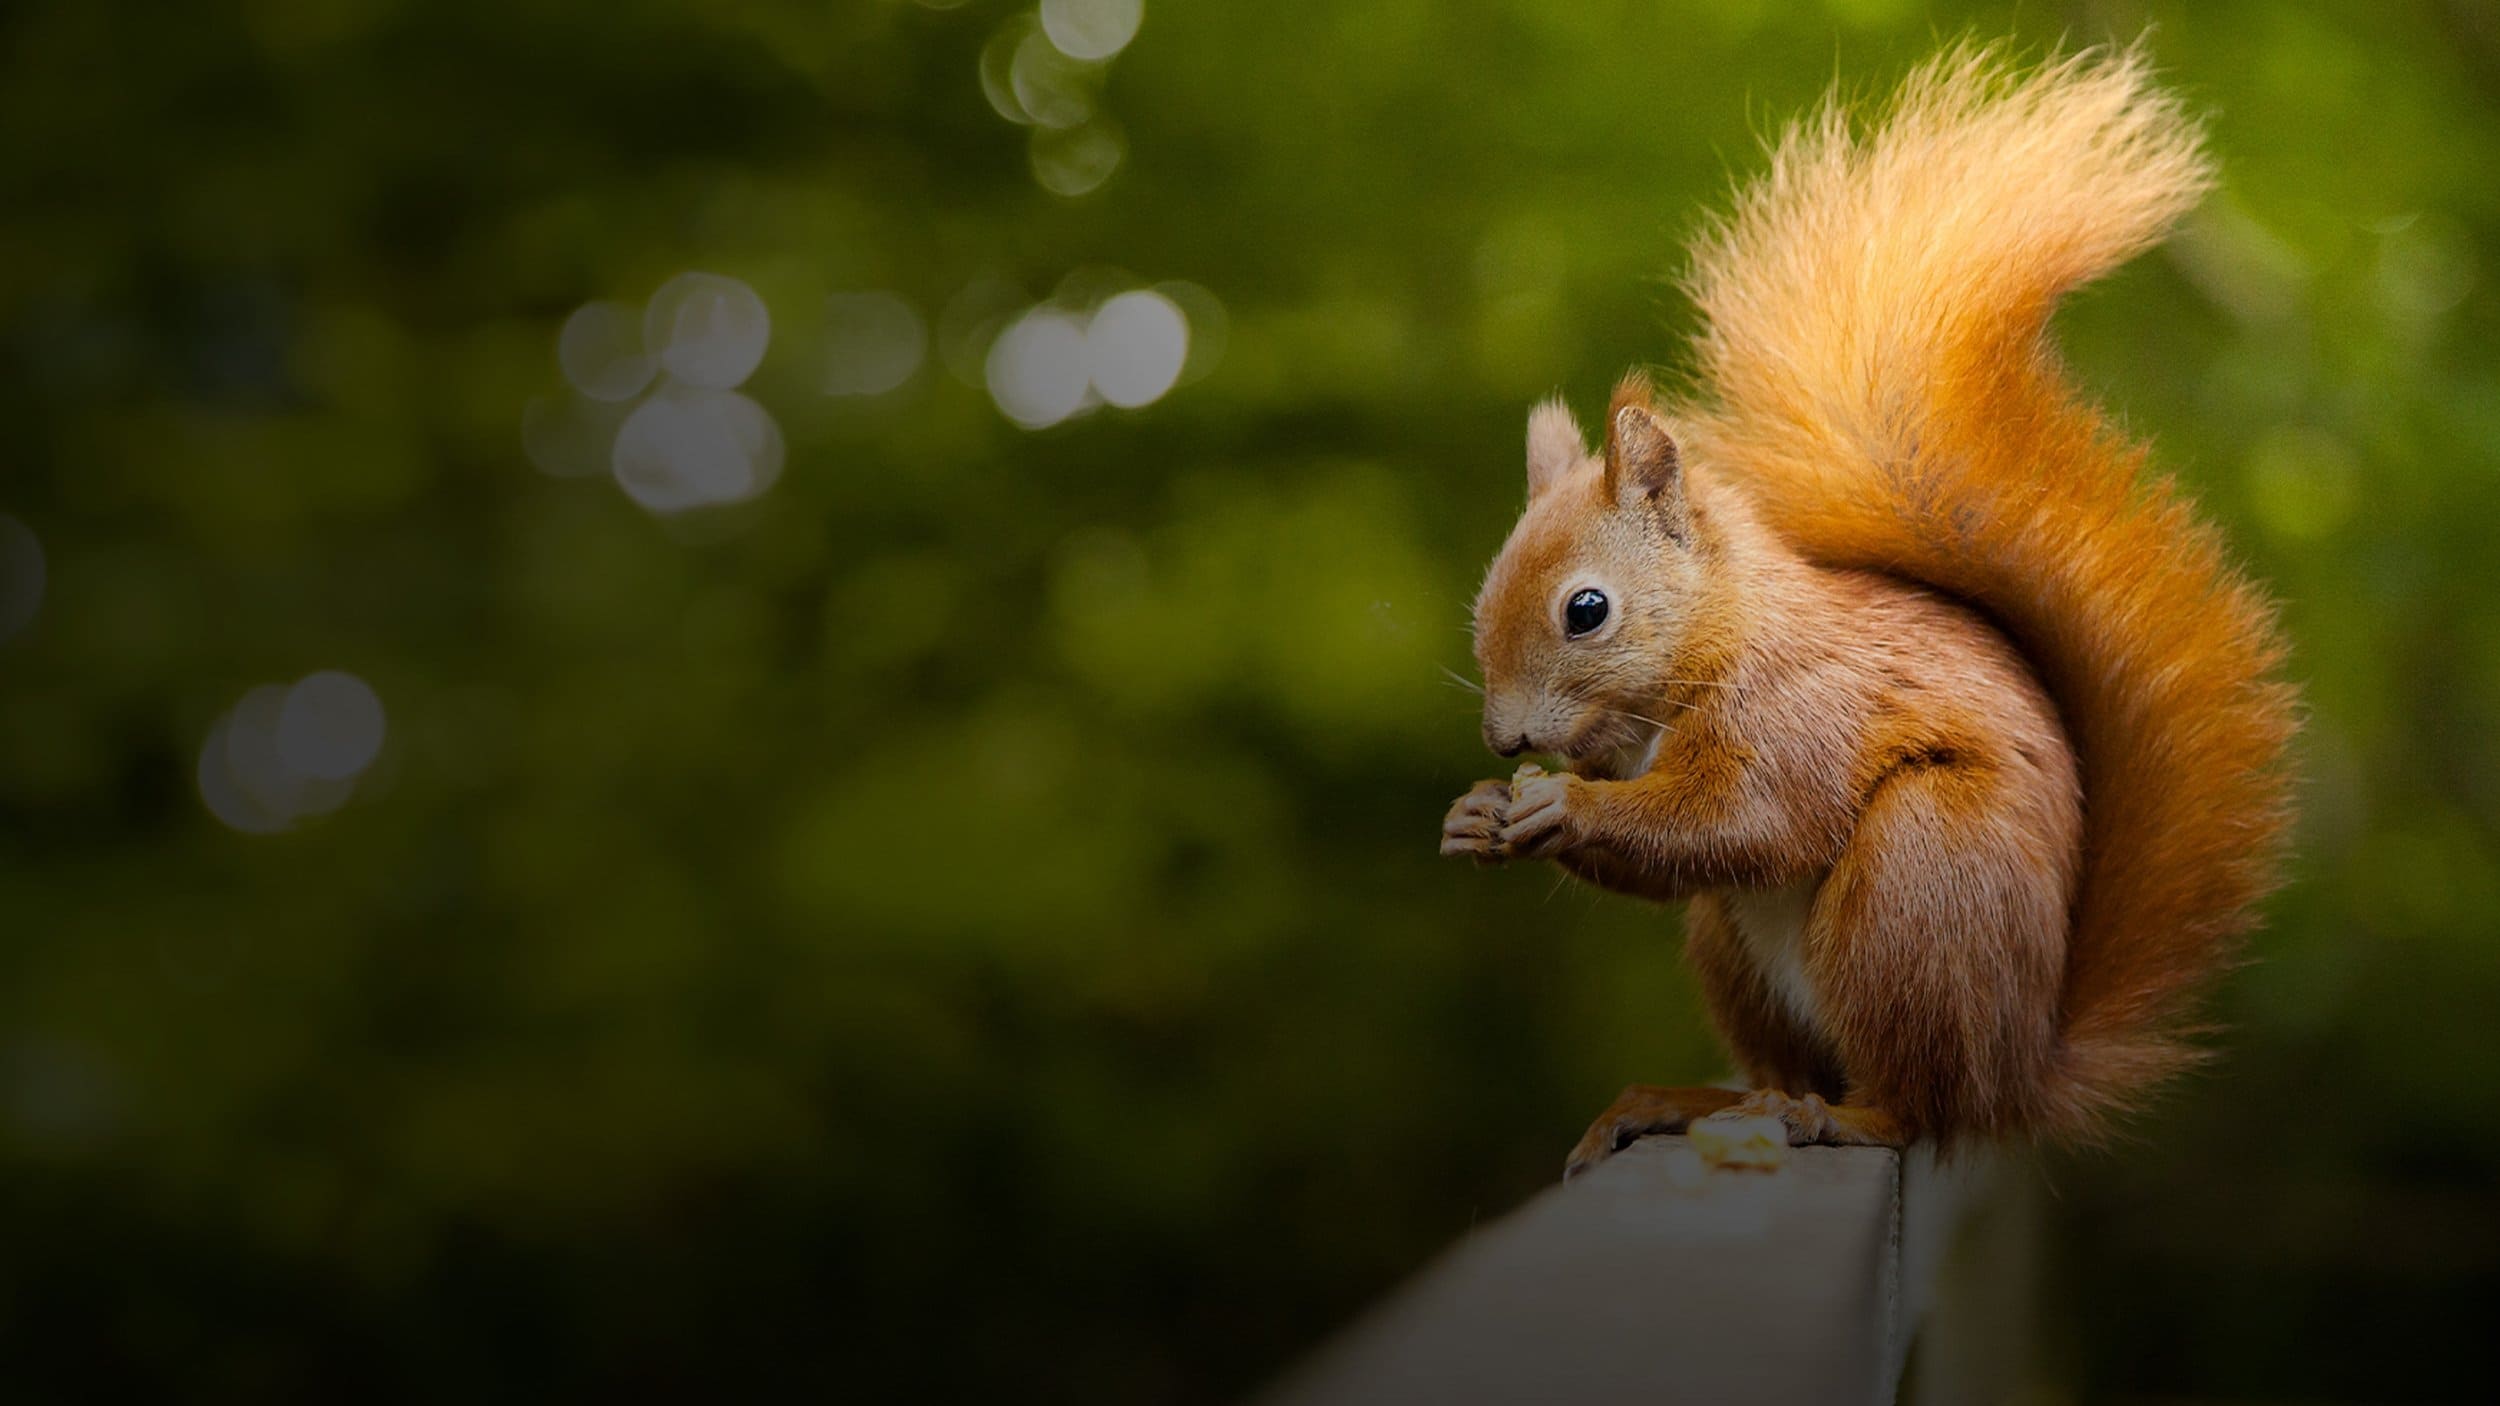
(1877, 377)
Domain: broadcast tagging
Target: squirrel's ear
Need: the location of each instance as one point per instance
(1642, 467)
(1554, 444)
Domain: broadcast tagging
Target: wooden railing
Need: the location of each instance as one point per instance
(1656, 1279)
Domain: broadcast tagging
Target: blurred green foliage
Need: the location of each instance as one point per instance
(966, 922)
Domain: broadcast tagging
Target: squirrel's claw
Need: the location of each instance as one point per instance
(1527, 817)
(1473, 827)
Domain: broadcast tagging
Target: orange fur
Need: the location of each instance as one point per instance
(1960, 725)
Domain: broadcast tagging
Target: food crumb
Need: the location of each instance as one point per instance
(1752, 1143)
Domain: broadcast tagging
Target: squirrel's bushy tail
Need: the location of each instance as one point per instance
(1879, 376)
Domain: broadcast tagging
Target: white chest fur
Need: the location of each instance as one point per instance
(1772, 925)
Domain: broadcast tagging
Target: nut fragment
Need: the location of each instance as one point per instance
(1724, 1140)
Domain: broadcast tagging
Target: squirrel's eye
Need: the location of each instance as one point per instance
(1586, 611)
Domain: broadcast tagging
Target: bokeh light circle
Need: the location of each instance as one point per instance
(1077, 160)
(1093, 30)
(252, 757)
(997, 66)
(282, 753)
(230, 803)
(1135, 347)
(707, 329)
(330, 727)
(1036, 369)
(691, 447)
(601, 352)
(1051, 88)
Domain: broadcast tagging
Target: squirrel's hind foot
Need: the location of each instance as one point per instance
(1639, 1111)
(1809, 1119)
(1812, 1121)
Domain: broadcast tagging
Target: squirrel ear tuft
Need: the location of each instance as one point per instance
(1642, 466)
(1554, 444)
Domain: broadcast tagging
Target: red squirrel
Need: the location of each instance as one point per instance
(1951, 724)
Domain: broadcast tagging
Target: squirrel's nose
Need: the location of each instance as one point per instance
(1513, 747)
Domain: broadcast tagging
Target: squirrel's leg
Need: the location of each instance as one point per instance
(1796, 1074)
(1935, 951)
(1775, 1051)
(1681, 831)
(1593, 864)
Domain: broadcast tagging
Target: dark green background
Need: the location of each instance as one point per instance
(968, 922)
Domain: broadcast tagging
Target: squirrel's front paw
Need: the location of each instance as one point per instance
(1540, 818)
(1474, 822)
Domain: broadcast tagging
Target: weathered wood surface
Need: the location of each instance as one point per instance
(1651, 1280)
